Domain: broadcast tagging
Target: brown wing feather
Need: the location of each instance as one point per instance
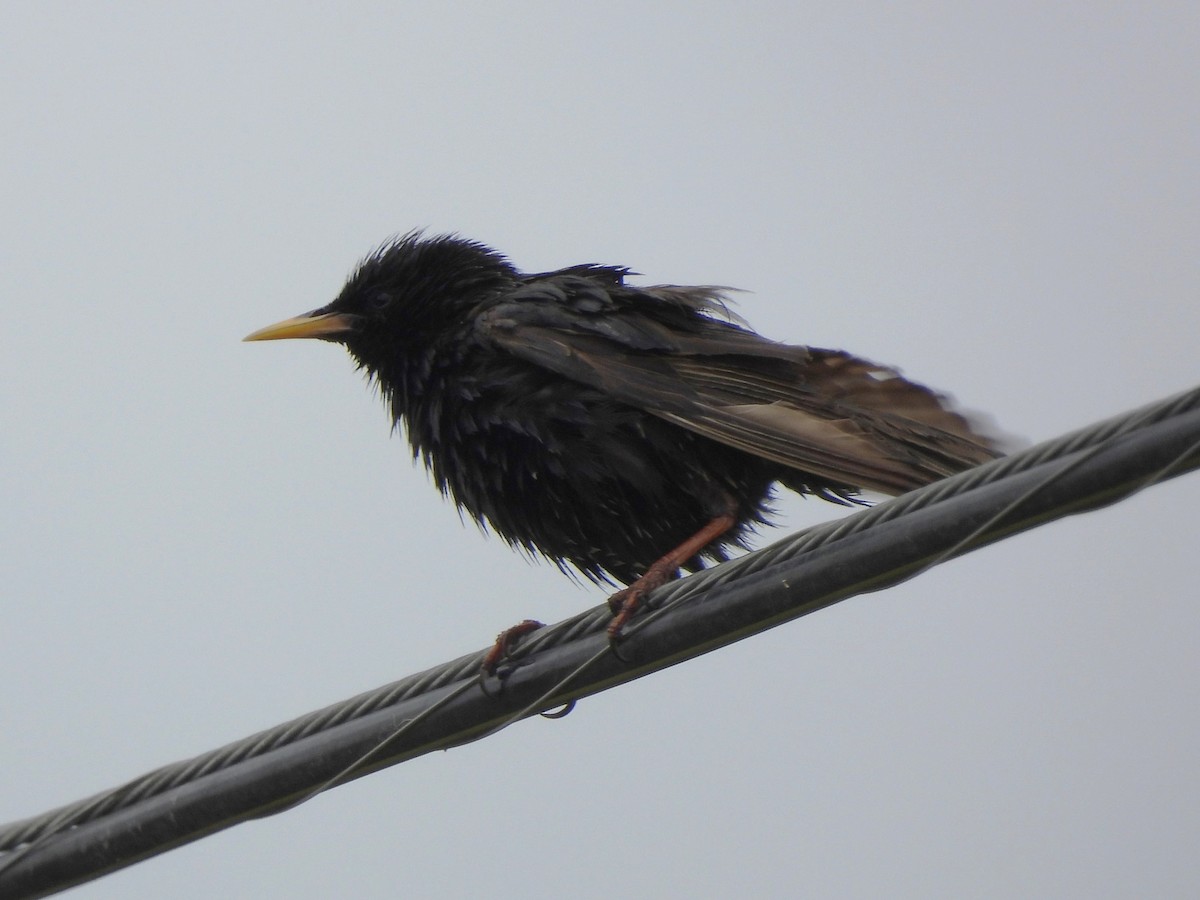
(822, 412)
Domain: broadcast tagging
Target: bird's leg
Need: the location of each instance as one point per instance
(624, 603)
(505, 641)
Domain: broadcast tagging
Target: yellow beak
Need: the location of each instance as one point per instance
(307, 326)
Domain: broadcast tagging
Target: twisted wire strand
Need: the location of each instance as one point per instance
(22, 835)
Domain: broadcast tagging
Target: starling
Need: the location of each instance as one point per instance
(624, 431)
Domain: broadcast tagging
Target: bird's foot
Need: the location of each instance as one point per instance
(505, 642)
(625, 603)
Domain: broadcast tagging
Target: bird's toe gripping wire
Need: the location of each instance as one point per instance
(506, 641)
(625, 603)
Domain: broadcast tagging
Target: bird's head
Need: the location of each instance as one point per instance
(404, 295)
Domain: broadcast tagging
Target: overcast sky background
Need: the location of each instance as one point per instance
(201, 538)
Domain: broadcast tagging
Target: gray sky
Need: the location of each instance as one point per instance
(202, 538)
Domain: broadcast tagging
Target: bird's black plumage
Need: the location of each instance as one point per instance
(603, 424)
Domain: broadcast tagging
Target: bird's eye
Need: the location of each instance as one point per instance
(380, 300)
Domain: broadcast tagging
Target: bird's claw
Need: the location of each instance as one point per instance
(505, 642)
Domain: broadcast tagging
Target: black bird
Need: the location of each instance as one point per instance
(624, 431)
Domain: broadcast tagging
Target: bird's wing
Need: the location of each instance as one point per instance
(821, 412)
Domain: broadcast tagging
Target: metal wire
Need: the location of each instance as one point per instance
(443, 706)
